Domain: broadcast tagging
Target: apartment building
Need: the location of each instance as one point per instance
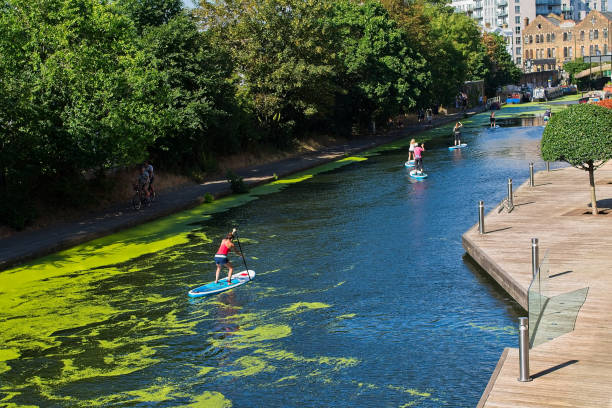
(550, 41)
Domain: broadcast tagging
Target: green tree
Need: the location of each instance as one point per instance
(199, 95)
(580, 135)
(147, 13)
(379, 72)
(501, 70)
(284, 58)
(76, 95)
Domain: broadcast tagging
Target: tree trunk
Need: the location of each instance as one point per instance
(592, 183)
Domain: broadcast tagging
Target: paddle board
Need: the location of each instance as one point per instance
(414, 174)
(457, 146)
(409, 163)
(211, 288)
(495, 127)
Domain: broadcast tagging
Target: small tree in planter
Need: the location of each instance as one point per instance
(580, 135)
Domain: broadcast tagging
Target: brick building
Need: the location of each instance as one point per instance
(550, 41)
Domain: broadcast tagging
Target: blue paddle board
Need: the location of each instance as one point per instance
(409, 163)
(211, 288)
(457, 146)
(415, 175)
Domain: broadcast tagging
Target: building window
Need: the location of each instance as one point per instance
(596, 34)
(518, 60)
(569, 36)
(547, 37)
(530, 39)
(564, 36)
(517, 29)
(518, 50)
(517, 19)
(571, 54)
(537, 39)
(518, 40)
(605, 33)
(590, 50)
(605, 49)
(581, 35)
(590, 34)
(597, 52)
(554, 53)
(565, 52)
(582, 50)
(552, 37)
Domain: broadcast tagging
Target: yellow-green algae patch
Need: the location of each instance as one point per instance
(304, 306)
(287, 378)
(248, 338)
(346, 316)
(410, 391)
(210, 399)
(495, 329)
(336, 363)
(205, 370)
(251, 365)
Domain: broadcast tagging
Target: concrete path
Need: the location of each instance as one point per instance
(32, 244)
(571, 361)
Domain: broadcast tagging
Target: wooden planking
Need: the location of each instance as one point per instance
(576, 368)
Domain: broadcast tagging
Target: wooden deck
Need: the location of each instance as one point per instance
(575, 369)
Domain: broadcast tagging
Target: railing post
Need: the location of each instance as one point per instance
(535, 256)
(510, 202)
(524, 349)
(481, 226)
(531, 183)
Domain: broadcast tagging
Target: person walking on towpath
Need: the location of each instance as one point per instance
(221, 258)
(418, 158)
(149, 168)
(492, 119)
(428, 114)
(457, 133)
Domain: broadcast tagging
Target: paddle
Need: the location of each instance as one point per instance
(241, 253)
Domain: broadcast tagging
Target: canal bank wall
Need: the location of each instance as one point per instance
(23, 246)
(575, 368)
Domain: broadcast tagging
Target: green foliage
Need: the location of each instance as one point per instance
(501, 70)
(379, 73)
(209, 198)
(578, 135)
(146, 13)
(237, 183)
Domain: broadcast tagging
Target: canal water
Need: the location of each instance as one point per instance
(363, 295)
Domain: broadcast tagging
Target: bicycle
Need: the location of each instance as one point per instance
(140, 198)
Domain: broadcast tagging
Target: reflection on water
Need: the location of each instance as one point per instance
(361, 296)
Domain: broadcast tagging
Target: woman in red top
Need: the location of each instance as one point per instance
(222, 259)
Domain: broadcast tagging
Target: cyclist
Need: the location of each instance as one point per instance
(149, 169)
(143, 180)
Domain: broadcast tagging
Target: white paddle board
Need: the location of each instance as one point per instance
(416, 175)
(211, 288)
(457, 146)
(409, 163)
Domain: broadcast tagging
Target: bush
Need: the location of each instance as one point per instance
(236, 182)
(208, 198)
(17, 211)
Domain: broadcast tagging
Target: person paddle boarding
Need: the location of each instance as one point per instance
(457, 133)
(418, 158)
(492, 119)
(413, 144)
(221, 258)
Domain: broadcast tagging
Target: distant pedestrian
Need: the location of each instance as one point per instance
(428, 115)
(421, 115)
(480, 100)
(418, 158)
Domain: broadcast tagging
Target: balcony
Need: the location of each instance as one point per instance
(502, 3)
(478, 5)
(502, 13)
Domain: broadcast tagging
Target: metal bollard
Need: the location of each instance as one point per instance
(481, 228)
(531, 183)
(547, 166)
(524, 349)
(510, 201)
(535, 256)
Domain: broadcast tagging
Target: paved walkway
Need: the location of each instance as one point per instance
(573, 369)
(32, 244)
